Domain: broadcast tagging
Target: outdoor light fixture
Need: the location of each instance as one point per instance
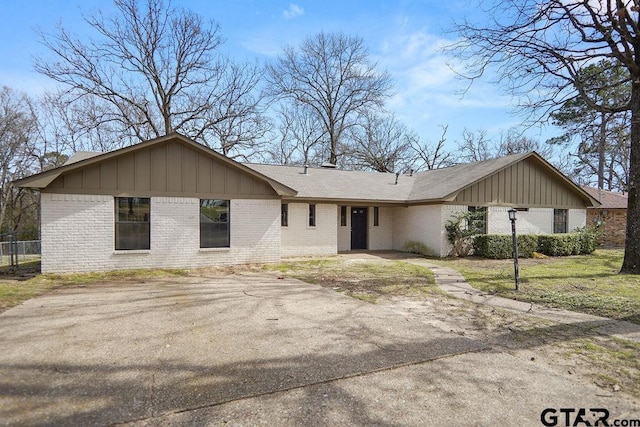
(512, 217)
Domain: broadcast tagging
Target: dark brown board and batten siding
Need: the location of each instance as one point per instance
(522, 184)
(169, 169)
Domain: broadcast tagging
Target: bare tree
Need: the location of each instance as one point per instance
(153, 70)
(537, 48)
(432, 156)
(17, 125)
(381, 143)
(301, 135)
(332, 74)
(475, 147)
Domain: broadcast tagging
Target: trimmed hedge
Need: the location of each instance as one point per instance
(580, 243)
(499, 246)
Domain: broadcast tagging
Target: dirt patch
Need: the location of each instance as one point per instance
(610, 363)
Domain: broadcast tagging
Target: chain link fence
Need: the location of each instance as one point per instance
(15, 252)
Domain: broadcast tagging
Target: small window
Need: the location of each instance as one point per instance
(343, 216)
(214, 223)
(559, 220)
(477, 219)
(132, 223)
(376, 216)
(284, 215)
(312, 215)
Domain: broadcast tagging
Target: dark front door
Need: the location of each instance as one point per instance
(358, 228)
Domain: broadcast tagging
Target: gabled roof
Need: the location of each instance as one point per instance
(85, 159)
(438, 185)
(336, 184)
(608, 199)
(434, 186)
(445, 183)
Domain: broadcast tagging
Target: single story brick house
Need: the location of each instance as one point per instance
(171, 202)
(610, 217)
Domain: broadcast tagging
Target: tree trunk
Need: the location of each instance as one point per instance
(601, 149)
(631, 263)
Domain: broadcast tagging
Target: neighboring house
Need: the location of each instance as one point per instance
(173, 203)
(610, 217)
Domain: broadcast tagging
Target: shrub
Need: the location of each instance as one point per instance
(527, 245)
(588, 239)
(493, 246)
(559, 244)
(461, 229)
(500, 246)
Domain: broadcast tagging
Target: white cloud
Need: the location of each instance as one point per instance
(430, 93)
(293, 11)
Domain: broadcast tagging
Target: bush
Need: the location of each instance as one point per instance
(559, 244)
(493, 246)
(461, 229)
(527, 245)
(588, 240)
(500, 246)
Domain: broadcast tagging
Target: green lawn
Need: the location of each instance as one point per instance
(587, 283)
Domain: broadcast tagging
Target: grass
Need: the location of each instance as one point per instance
(589, 284)
(361, 279)
(21, 286)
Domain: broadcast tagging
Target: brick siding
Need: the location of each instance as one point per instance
(78, 234)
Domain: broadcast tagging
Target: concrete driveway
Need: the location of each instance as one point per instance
(253, 349)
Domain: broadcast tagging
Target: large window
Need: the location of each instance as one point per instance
(132, 223)
(214, 223)
(559, 220)
(477, 219)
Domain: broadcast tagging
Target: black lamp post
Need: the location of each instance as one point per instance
(512, 218)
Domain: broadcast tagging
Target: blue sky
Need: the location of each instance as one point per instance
(403, 37)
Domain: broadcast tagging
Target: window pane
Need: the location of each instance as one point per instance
(478, 220)
(343, 216)
(214, 223)
(284, 216)
(376, 216)
(312, 215)
(559, 220)
(132, 223)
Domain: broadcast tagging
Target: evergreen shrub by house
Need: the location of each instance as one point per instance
(500, 246)
(580, 243)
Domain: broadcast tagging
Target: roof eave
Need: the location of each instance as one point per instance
(43, 179)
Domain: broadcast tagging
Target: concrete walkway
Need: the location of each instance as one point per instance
(452, 282)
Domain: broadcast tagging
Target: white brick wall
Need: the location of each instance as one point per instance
(78, 234)
(298, 239)
(535, 221)
(381, 237)
(424, 224)
(577, 219)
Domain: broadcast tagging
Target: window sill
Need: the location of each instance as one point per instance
(225, 249)
(132, 252)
